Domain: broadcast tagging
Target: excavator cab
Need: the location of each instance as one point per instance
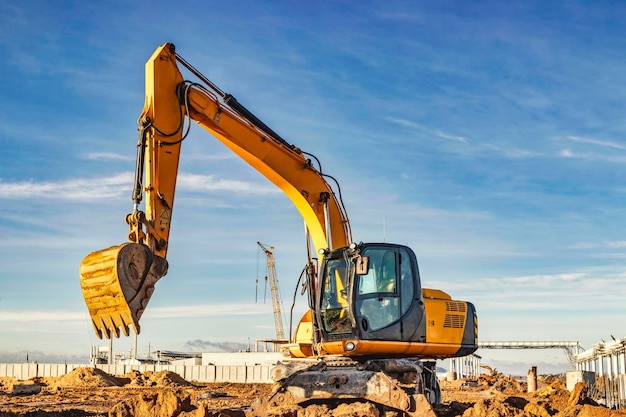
(380, 302)
(370, 302)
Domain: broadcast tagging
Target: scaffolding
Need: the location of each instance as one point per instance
(465, 367)
(607, 362)
(605, 358)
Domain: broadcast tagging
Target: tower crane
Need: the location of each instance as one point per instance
(271, 273)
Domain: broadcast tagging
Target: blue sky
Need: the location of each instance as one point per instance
(488, 137)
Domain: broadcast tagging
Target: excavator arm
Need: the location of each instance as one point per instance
(118, 282)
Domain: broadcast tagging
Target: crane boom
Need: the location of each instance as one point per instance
(271, 273)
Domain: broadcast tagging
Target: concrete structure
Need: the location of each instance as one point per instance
(187, 362)
(605, 361)
(242, 367)
(241, 358)
(269, 345)
(464, 367)
(574, 377)
(605, 358)
(531, 380)
(193, 373)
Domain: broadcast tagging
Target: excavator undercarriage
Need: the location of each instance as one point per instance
(405, 386)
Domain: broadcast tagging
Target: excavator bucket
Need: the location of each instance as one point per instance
(117, 284)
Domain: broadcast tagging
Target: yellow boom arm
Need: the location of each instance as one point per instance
(281, 163)
(118, 282)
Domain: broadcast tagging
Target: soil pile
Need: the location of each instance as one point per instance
(153, 379)
(160, 404)
(509, 399)
(6, 383)
(84, 378)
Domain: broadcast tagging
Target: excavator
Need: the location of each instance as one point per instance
(372, 332)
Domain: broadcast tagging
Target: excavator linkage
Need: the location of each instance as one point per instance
(117, 284)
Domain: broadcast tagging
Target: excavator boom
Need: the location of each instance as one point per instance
(116, 286)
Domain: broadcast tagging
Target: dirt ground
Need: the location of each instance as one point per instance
(91, 392)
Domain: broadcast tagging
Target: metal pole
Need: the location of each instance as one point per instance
(135, 347)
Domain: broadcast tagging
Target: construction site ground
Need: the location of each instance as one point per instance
(91, 392)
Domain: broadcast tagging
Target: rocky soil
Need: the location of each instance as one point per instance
(91, 392)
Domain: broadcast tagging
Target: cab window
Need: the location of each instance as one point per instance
(378, 298)
(334, 303)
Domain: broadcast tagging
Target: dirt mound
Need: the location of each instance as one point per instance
(167, 379)
(550, 401)
(153, 379)
(556, 394)
(491, 407)
(355, 409)
(6, 383)
(161, 404)
(506, 384)
(84, 378)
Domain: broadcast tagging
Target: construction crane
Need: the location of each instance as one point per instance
(271, 273)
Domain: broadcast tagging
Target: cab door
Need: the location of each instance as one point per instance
(388, 297)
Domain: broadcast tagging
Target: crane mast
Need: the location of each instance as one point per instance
(271, 273)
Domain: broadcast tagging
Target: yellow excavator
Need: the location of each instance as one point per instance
(372, 332)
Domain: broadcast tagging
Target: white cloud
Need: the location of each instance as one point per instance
(542, 279)
(600, 151)
(597, 142)
(39, 316)
(119, 185)
(600, 290)
(514, 286)
(405, 123)
(202, 183)
(614, 244)
(109, 156)
(210, 157)
(75, 189)
(206, 310)
(617, 244)
(451, 137)
(211, 310)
